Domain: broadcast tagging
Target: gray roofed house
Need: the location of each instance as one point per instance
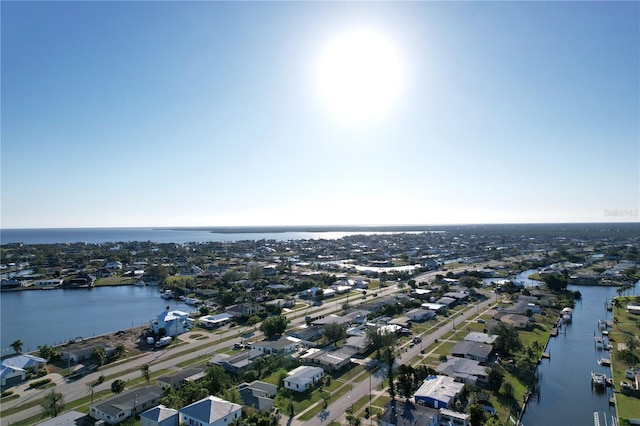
(258, 395)
(174, 380)
(159, 416)
(70, 418)
(122, 406)
(281, 346)
(467, 370)
(333, 359)
(357, 343)
(420, 314)
(210, 411)
(472, 350)
(236, 363)
(408, 414)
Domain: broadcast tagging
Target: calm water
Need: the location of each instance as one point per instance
(39, 317)
(566, 396)
(161, 235)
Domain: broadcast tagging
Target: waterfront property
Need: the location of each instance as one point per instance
(127, 404)
(173, 323)
(215, 321)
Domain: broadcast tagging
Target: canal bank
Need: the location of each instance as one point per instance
(564, 394)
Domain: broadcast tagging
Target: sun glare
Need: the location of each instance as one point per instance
(359, 76)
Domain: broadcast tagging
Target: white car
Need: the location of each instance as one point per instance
(625, 385)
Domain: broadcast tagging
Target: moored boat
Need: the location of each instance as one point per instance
(598, 380)
(604, 361)
(167, 294)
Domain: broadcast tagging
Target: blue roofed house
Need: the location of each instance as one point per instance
(210, 411)
(14, 369)
(173, 322)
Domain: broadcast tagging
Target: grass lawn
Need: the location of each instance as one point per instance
(627, 325)
(115, 280)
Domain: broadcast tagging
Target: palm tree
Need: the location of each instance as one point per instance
(17, 346)
(146, 373)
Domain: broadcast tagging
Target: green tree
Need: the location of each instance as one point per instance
(52, 404)
(253, 320)
(353, 420)
(495, 376)
(119, 351)
(274, 326)
(379, 340)
(334, 332)
(555, 282)
(508, 340)
(49, 353)
(17, 346)
(470, 282)
(100, 355)
(146, 373)
(117, 386)
(476, 415)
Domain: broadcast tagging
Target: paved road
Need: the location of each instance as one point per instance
(162, 359)
(336, 411)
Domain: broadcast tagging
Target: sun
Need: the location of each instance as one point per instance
(359, 76)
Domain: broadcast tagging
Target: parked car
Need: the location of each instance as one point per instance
(625, 385)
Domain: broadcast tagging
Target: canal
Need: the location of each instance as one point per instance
(566, 396)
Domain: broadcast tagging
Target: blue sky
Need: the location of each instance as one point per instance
(212, 114)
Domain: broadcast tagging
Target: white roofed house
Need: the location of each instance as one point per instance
(210, 411)
(438, 391)
(302, 378)
(281, 346)
(173, 322)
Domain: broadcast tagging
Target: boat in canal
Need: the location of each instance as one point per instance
(598, 380)
(604, 361)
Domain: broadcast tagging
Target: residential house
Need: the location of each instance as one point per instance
(306, 334)
(302, 378)
(127, 404)
(472, 350)
(450, 417)
(174, 323)
(515, 320)
(79, 353)
(70, 418)
(244, 309)
(210, 411)
(407, 414)
(357, 343)
(331, 358)
(159, 416)
(281, 346)
(178, 378)
(114, 264)
(438, 391)
(419, 314)
(474, 336)
(436, 307)
(215, 321)
(258, 395)
(235, 364)
(463, 369)
(14, 369)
